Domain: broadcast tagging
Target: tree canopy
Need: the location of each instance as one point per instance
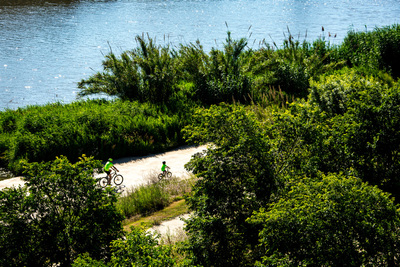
(334, 220)
(59, 214)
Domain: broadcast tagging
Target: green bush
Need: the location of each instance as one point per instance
(291, 67)
(349, 123)
(146, 74)
(237, 178)
(226, 80)
(59, 214)
(138, 248)
(330, 221)
(8, 122)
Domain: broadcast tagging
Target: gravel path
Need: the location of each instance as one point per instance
(139, 170)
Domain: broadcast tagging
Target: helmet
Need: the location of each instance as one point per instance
(110, 159)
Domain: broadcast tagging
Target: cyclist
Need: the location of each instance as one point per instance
(108, 167)
(164, 167)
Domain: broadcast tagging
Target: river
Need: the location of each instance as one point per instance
(46, 47)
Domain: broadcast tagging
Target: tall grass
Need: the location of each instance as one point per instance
(373, 51)
(143, 200)
(96, 128)
(236, 71)
(153, 196)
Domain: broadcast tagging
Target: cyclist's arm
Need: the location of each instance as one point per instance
(115, 168)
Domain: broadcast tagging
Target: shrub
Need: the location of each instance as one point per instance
(290, 68)
(237, 177)
(330, 221)
(138, 248)
(59, 214)
(146, 73)
(350, 122)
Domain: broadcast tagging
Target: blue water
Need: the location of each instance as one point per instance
(46, 48)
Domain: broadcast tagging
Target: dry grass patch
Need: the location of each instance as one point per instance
(174, 210)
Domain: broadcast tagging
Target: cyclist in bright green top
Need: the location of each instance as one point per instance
(164, 167)
(108, 167)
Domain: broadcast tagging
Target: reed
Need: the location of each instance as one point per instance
(373, 51)
(96, 128)
(143, 200)
(153, 196)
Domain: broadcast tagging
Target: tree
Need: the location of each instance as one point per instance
(138, 248)
(237, 177)
(334, 220)
(358, 127)
(60, 214)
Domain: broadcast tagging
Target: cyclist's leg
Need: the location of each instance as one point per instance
(108, 177)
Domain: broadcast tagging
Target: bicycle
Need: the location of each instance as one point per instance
(167, 174)
(116, 178)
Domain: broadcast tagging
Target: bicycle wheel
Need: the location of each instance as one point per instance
(118, 179)
(103, 182)
(160, 176)
(169, 174)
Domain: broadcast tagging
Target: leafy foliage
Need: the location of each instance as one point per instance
(374, 50)
(139, 248)
(237, 177)
(226, 80)
(96, 128)
(146, 74)
(359, 129)
(291, 67)
(330, 221)
(59, 214)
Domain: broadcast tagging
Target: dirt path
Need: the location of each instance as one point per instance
(138, 170)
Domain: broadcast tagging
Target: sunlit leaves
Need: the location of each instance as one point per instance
(331, 221)
(237, 177)
(60, 214)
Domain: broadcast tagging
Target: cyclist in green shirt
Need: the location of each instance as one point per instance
(108, 167)
(164, 167)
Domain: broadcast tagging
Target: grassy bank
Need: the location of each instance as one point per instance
(95, 128)
(154, 202)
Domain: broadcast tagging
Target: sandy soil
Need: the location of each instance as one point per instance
(172, 228)
(139, 170)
